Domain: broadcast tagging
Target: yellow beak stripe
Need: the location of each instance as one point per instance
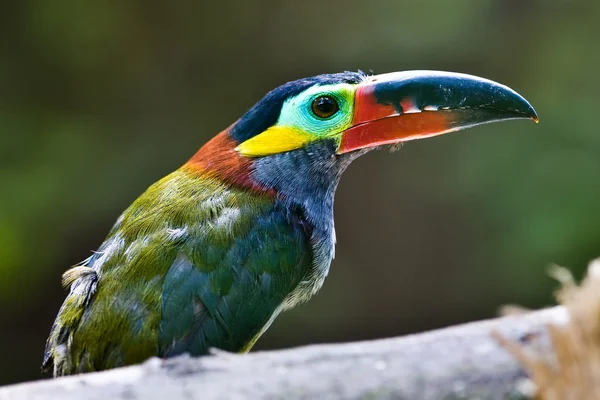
(276, 139)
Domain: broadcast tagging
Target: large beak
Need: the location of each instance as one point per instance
(402, 106)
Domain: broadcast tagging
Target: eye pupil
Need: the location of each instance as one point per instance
(324, 106)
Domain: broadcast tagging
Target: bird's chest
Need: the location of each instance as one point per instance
(322, 246)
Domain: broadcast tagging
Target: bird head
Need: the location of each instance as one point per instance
(357, 111)
(302, 135)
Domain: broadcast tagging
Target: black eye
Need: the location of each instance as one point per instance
(324, 106)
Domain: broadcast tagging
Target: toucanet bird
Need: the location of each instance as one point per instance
(210, 255)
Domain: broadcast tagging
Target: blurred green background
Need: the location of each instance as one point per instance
(99, 99)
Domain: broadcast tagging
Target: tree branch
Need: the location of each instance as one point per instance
(459, 362)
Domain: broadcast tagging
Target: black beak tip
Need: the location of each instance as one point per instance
(524, 108)
(533, 115)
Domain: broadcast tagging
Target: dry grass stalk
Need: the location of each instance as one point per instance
(572, 372)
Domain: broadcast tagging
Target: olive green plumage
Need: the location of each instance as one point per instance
(192, 263)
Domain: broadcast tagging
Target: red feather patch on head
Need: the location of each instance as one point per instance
(218, 158)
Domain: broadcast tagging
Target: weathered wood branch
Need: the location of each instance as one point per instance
(459, 362)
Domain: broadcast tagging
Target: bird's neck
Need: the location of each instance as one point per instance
(218, 159)
(303, 182)
(305, 178)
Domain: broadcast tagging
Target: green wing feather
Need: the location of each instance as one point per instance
(229, 301)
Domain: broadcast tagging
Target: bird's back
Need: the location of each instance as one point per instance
(191, 264)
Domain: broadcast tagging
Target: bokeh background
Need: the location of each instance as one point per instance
(99, 99)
